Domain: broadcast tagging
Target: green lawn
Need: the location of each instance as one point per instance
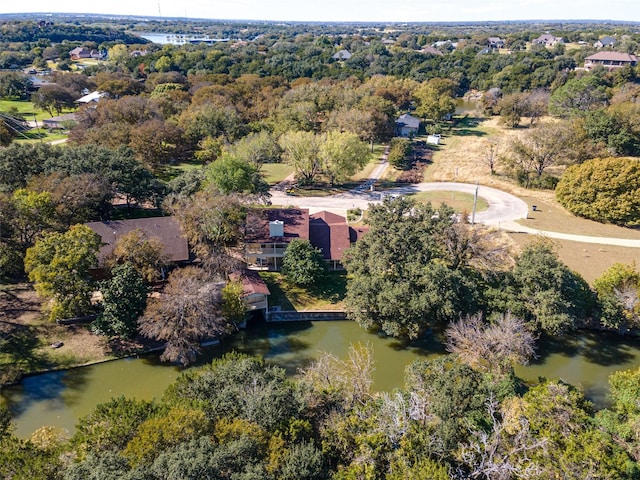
(24, 108)
(37, 135)
(459, 201)
(276, 172)
(327, 294)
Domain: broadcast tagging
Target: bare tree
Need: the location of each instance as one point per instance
(187, 312)
(351, 377)
(489, 156)
(494, 347)
(503, 452)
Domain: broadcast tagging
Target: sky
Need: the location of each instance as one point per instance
(345, 10)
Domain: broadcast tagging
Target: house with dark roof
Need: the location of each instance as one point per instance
(269, 231)
(330, 234)
(79, 53)
(495, 42)
(61, 122)
(610, 60)
(407, 125)
(165, 229)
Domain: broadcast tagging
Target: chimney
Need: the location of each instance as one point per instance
(276, 228)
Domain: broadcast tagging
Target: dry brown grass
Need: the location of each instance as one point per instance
(588, 259)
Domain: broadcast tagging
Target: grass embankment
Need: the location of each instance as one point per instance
(327, 294)
(26, 337)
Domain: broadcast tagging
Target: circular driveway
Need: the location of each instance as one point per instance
(503, 207)
(503, 211)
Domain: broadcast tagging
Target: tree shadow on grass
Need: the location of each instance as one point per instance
(20, 345)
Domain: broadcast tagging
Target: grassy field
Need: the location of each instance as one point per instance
(25, 109)
(325, 295)
(459, 201)
(588, 259)
(276, 172)
(40, 135)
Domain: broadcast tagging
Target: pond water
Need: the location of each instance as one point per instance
(60, 398)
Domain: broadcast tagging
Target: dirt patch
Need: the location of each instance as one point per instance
(27, 338)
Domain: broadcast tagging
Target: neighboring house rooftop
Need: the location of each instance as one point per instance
(91, 97)
(430, 50)
(610, 60)
(59, 121)
(548, 39)
(408, 121)
(342, 55)
(606, 41)
(165, 229)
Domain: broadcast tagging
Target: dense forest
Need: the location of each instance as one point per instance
(187, 131)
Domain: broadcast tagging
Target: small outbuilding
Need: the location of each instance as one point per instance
(407, 125)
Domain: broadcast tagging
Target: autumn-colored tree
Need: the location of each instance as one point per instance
(145, 254)
(188, 311)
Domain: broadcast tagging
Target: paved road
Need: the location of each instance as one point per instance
(504, 208)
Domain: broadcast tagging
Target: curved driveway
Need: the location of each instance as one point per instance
(504, 208)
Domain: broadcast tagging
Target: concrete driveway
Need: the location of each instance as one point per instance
(504, 208)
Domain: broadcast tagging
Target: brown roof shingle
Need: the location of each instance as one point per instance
(252, 283)
(330, 233)
(166, 229)
(296, 224)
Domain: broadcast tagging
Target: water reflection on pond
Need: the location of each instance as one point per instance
(60, 398)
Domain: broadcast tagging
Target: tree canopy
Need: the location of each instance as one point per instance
(605, 190)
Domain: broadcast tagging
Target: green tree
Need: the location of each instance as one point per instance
(545, 292)
(232, 175)
(402, 277)
(59, 265)
(302, 263)
(124, 300)
(233, 304)
(436, 99)
(257, 149)
(33, 214)
(53, 98)
(238, 386)
(342, 154)
(578, 96)
(146, 255)
(605, 190)
(618, 291)
(110, 426)
(163, 432)
(301, 150)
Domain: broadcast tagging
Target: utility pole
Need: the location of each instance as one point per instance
(475, 203)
